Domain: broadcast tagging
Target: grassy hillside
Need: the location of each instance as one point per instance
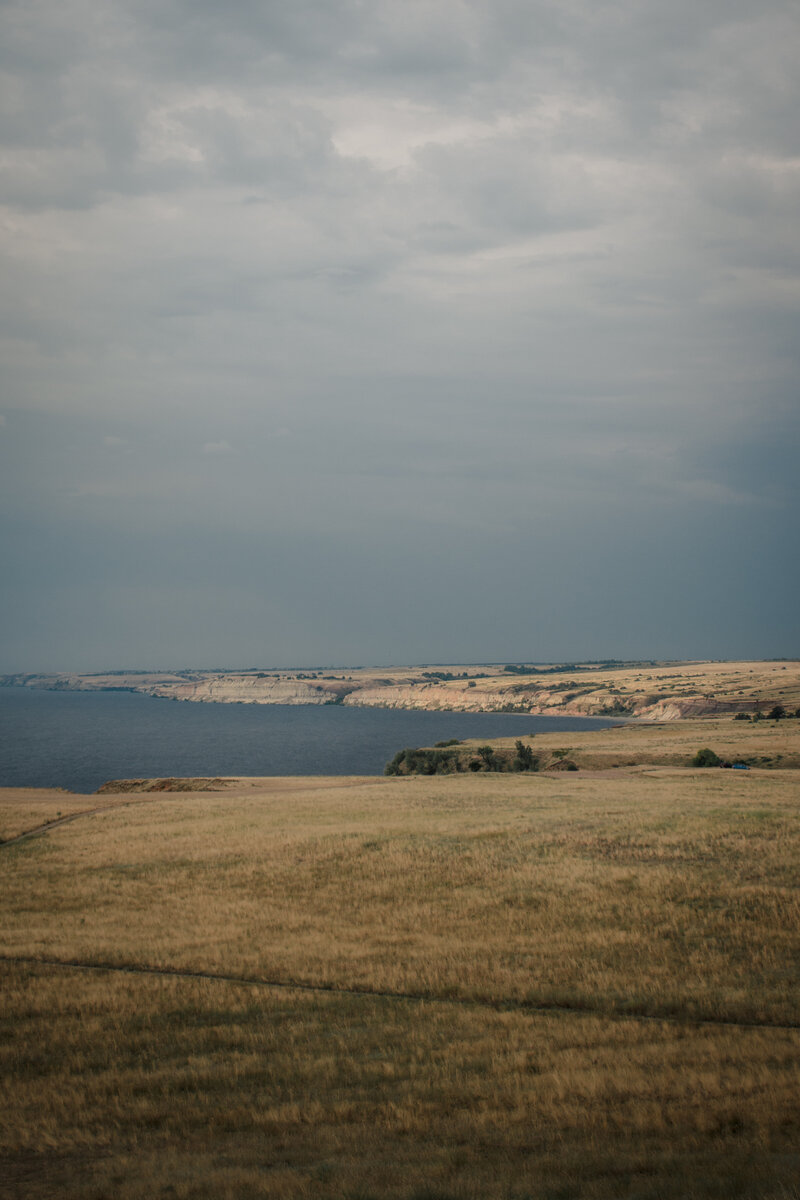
(548, 985)
(761, 745)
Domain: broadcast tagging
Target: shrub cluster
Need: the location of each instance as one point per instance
(776, 713)
(441, 761)
(423, 762)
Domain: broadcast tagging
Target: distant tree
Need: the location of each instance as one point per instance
(777, 713)
(525, 759)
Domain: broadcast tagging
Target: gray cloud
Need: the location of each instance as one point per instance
(462, 286)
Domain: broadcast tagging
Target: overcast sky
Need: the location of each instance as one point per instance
(359, 332)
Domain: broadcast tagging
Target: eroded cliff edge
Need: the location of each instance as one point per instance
(651, 691)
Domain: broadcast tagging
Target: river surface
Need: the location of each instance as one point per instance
(78, 740)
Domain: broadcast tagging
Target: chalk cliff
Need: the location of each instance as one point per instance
(247, 689)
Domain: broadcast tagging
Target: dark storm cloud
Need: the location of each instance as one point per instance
(403, 300)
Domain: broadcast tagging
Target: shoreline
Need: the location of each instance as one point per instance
(591, 750)
(654, 692)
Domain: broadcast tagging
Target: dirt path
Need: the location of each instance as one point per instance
(46, 826)
(293, 985)
(265, 785)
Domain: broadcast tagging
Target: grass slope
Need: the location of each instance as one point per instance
(565, 936)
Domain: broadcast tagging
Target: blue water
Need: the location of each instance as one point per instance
(78, 740)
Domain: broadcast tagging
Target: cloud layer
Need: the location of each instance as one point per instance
(381, 332)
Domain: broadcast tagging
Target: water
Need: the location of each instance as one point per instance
(78, 740)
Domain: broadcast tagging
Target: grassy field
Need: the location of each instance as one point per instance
(761, 744)
(502, 986)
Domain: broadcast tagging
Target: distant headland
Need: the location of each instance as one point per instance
(653, 691)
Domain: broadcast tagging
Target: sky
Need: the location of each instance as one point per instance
(357, 332)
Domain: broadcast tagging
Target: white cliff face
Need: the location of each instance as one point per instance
(430, 696)
(690, 706)
(246, 689)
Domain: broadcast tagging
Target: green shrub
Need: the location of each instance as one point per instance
(706, 758)
(393, 767)
(487, 754)
(423, 762)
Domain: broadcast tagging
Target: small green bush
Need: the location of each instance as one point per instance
(487, 754)
(706, 758)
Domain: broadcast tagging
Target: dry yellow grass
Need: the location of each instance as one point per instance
(607, 899)
(764, 744)
(139, 1087)
(671, 892)
(775, 681)
(22, 809)
(751, 684)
